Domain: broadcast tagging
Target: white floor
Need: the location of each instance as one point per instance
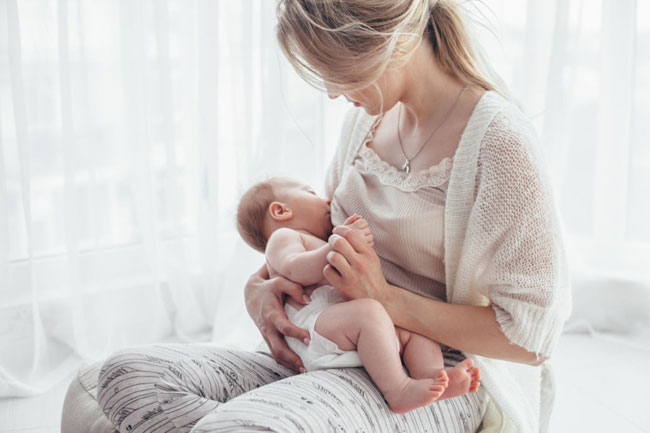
(602, 387)
(34, 415)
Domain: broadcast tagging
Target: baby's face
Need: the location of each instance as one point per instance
(309, 210)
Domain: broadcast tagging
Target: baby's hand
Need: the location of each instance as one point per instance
(360, 225)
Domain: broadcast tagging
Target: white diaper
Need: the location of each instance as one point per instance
(321, 353)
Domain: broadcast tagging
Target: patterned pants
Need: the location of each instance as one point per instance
(203, 388)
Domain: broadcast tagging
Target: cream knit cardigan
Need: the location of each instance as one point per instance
(503, 248)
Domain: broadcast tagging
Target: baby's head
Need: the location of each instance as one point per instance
(281, 202)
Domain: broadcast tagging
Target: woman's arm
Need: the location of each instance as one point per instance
(354, 270)
(464, 327)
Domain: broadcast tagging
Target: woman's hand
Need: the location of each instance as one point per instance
(354, 269)
(264, 302)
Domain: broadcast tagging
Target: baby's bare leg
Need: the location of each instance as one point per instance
(364, 325)
(423, 358)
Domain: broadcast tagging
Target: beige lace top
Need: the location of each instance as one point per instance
(406, 214)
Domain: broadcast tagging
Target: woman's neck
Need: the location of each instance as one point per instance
(428, 90)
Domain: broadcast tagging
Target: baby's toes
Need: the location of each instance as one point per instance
(476, 377)
(442, 378)
(436, 391)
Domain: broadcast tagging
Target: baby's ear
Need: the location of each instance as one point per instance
(280, 211)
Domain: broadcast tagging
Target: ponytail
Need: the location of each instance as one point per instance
(452, 45)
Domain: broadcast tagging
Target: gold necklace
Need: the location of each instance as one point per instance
(407, 161)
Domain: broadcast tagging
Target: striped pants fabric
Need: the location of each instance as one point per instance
(203, 388)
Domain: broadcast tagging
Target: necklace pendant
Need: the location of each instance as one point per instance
(407, 166)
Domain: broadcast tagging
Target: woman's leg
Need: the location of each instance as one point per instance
(168, 388)
(338, 400)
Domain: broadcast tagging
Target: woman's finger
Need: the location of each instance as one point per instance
(333, 276)
(286, 328)
(355, 239)
(282, 354)
(341, 245)
(339, 262)
(282, 285)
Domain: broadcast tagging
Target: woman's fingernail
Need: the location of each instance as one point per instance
(306, 341)
(334, 238)
(306, 299)
(302, 369)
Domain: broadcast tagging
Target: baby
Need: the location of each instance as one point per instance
(290, 224)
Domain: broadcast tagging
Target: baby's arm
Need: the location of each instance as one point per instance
(286, 253)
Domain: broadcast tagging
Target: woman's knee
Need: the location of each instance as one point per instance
(116, 366)
(128, 376)
(228, 421)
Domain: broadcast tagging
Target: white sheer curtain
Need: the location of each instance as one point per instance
(581, 70)
(128, 129)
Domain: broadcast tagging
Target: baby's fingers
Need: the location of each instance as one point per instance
(351, 219)
(360, 224)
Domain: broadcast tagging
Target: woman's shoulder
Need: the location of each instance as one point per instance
(510, 157)
(509, 135)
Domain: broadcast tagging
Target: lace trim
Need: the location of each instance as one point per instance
(368, 161)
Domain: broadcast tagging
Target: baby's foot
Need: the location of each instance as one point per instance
(417, 392)
(463, 378)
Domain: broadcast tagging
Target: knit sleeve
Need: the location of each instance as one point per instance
(515, 222)
(336, 165)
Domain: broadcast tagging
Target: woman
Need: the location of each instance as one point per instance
(467, 244)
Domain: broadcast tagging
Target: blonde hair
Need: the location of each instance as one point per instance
(347, 45)
(251, 213)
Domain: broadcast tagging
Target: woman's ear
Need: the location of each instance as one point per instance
(280, 211)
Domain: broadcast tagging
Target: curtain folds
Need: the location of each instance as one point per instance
(128, 129)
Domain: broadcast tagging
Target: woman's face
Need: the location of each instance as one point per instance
(370, 98)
